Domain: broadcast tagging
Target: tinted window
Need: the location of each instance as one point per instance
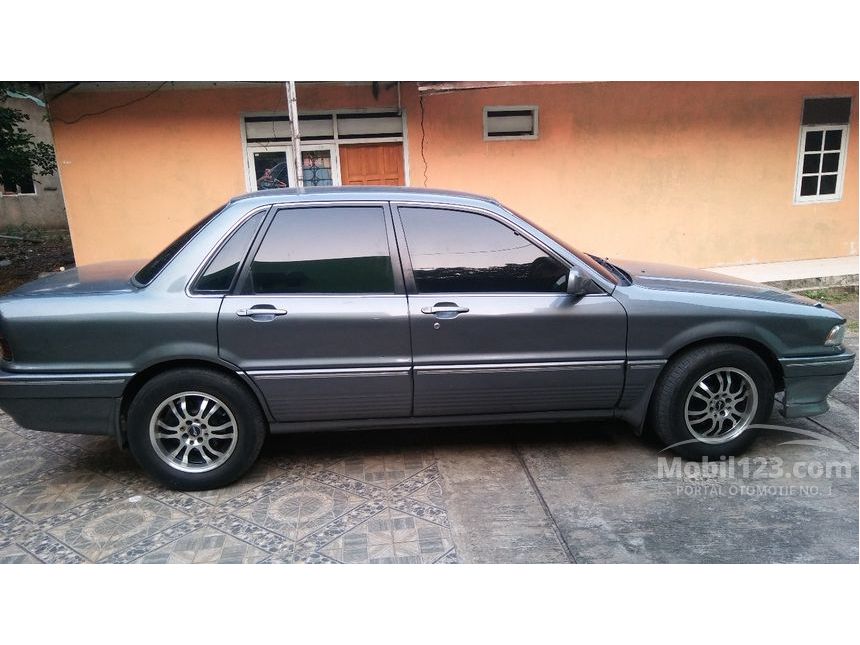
(219, 275)
(324, 250)
(152, 268)
(455, 251)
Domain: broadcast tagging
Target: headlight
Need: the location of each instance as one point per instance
(835, 336)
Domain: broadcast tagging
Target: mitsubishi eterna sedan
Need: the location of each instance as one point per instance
(341, 308)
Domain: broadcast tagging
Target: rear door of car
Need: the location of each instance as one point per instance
(319, 319)
(493, 328)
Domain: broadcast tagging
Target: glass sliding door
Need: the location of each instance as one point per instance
(271, 167)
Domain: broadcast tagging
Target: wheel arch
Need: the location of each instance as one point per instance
(145, 375)
(766, 354)
(637, 413)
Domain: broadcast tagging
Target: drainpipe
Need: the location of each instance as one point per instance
(294, 125)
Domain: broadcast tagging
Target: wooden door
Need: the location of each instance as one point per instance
(372, 164)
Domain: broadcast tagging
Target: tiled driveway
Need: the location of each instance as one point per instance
(73, 498)
(583, 492)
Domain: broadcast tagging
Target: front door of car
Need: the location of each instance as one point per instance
(493, 328)
(319, 319)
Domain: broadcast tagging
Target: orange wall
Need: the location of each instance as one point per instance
(695, 173)
(135, 178)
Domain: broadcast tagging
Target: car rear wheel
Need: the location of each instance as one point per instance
(708, 401)
(195, 429)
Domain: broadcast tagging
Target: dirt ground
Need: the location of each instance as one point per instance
(23, 260)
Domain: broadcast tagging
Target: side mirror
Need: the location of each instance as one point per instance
(577, 284)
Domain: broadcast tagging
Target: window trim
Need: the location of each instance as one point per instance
(252, 146)
(191, 289)
(840, 172)
(513, 108)
(35, 192)
(242, 285)
(406, 259)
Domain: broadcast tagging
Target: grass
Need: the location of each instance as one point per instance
(833, 295)
(854, 326)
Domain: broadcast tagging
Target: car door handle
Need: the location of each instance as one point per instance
(261, 311)
(445, 308)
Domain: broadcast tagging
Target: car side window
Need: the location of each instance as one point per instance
(222, 268)
(333, 249)
(462, 252)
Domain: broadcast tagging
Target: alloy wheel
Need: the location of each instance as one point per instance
(721, 405)
(193, 432)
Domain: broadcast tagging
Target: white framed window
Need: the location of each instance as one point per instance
(510, 122)
(821, 150)
(22, 186)
(267, 139)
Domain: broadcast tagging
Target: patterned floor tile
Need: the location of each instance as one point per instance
(180, 501)
(90, 441)
(68, 498)
(449, 558)
(72, 513)
(114, 464)
(253, 534)
(385, 469)
(305, 465)
(22, 464)
(416, 482)
(421, 510)
(330, 532)
(51, 496)
(10, 441)
(48, 549)
(391, 537)
(259, 474)
(300, 508)
(207, 546)
(13, 554)
(349, 485)
(430, 494)
(153, 542)
(12, 524)
(98, 535)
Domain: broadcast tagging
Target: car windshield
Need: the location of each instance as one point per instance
(152, 268)
(584, 257)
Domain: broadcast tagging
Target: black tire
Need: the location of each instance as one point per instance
(666, 415)
(247, 418)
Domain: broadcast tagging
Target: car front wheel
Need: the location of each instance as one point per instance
(708, 401)
(195, 429)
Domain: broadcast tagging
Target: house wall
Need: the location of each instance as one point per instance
(44, 210)
(695, 173)
(700, 174)
(137, 177)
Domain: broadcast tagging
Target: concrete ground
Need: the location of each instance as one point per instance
(586, 492)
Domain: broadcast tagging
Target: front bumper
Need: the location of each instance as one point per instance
(809, 380)
(80, 403)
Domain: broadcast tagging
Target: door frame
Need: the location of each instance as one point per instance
(288, 150)
(241, 286)
(251, 179)
(406, 260)
(435, 375)
(241, 292)
(250, 170)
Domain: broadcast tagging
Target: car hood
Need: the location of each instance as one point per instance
(668, 277)
(104, 277)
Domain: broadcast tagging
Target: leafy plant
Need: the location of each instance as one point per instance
(21, 156)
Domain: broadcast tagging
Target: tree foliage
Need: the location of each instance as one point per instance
(21, 156)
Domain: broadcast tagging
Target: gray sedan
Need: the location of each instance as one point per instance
(344, 308)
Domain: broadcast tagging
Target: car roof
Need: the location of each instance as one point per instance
(371, 193)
